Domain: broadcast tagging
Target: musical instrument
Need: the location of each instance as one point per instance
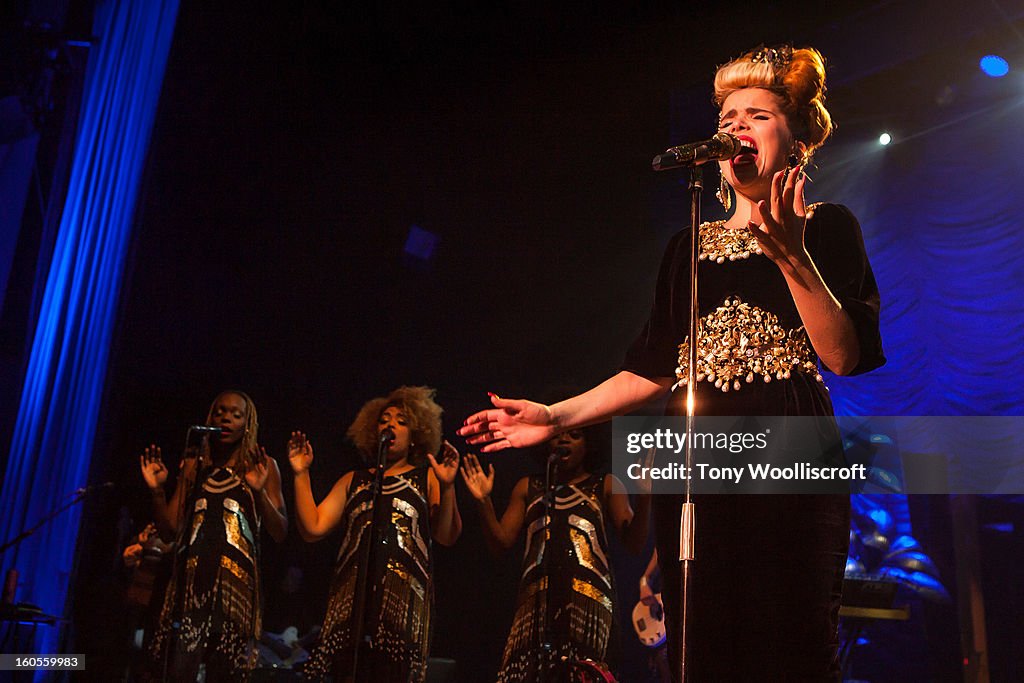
(286, 649)
(649, 622)
(149, 562)
(586, 671)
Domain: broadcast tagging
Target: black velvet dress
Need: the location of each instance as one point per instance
(767, 578)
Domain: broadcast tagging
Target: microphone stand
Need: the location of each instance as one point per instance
(77, 496)
(721, 146)
(547, 663)
(363, 587)
(18, 611)
(686, 513)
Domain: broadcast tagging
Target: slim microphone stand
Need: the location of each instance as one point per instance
(721, 146)
(76, 497)
(547, 660)
(368, 555)
(686, 513)
(16, 612)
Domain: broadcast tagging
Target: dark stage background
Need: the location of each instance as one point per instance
(296, 146)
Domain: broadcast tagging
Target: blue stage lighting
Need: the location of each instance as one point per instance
(994, 66)
(884, 139)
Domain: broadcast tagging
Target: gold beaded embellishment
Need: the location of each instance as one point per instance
(739, 342)
(718, 243)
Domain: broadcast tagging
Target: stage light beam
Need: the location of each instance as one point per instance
(884, 139)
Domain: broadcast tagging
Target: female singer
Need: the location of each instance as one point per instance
(566, 602)
(417, 503)
(228, 488)
(793, 285)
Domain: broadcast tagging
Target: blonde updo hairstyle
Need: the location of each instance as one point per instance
(423, 416)
(796, 77)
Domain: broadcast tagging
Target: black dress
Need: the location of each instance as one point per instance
(566, 590)
(767, 578)
(400, 588)
(211, 612)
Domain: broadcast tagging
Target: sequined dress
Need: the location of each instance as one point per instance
(566, 591)
(768, 575)
(399, 603)
(214, 591)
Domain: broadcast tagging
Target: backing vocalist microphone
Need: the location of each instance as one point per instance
(721, 146)
(93, 487)
(558, 453)
(206, 429)
(386, 436)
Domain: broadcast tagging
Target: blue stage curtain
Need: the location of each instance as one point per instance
(60, 401)
(945, 234)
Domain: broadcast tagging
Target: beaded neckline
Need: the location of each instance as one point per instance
(718, 243)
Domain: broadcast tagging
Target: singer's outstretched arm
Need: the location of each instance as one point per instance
(517, 423)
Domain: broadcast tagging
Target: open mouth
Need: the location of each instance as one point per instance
(749, 153)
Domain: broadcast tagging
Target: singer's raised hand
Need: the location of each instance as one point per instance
(512, 423)
(153, 469)
(479, 484)
(300, 453)
(781, 231)
(448, 468)
(256, 476)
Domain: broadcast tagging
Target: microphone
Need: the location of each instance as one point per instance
(206, 429)
(386, 436)
(721, 146)
(558, 453)
(94, 487)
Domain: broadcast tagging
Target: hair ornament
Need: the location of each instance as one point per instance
(778, 57)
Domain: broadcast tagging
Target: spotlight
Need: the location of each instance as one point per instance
(994, 66)
(884, 139)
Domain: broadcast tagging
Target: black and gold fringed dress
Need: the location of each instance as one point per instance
(767, 578)
(566, 589)
(399, 592)
(211, 612)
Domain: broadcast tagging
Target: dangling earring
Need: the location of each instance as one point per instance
(724, 192)
(791, 163)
